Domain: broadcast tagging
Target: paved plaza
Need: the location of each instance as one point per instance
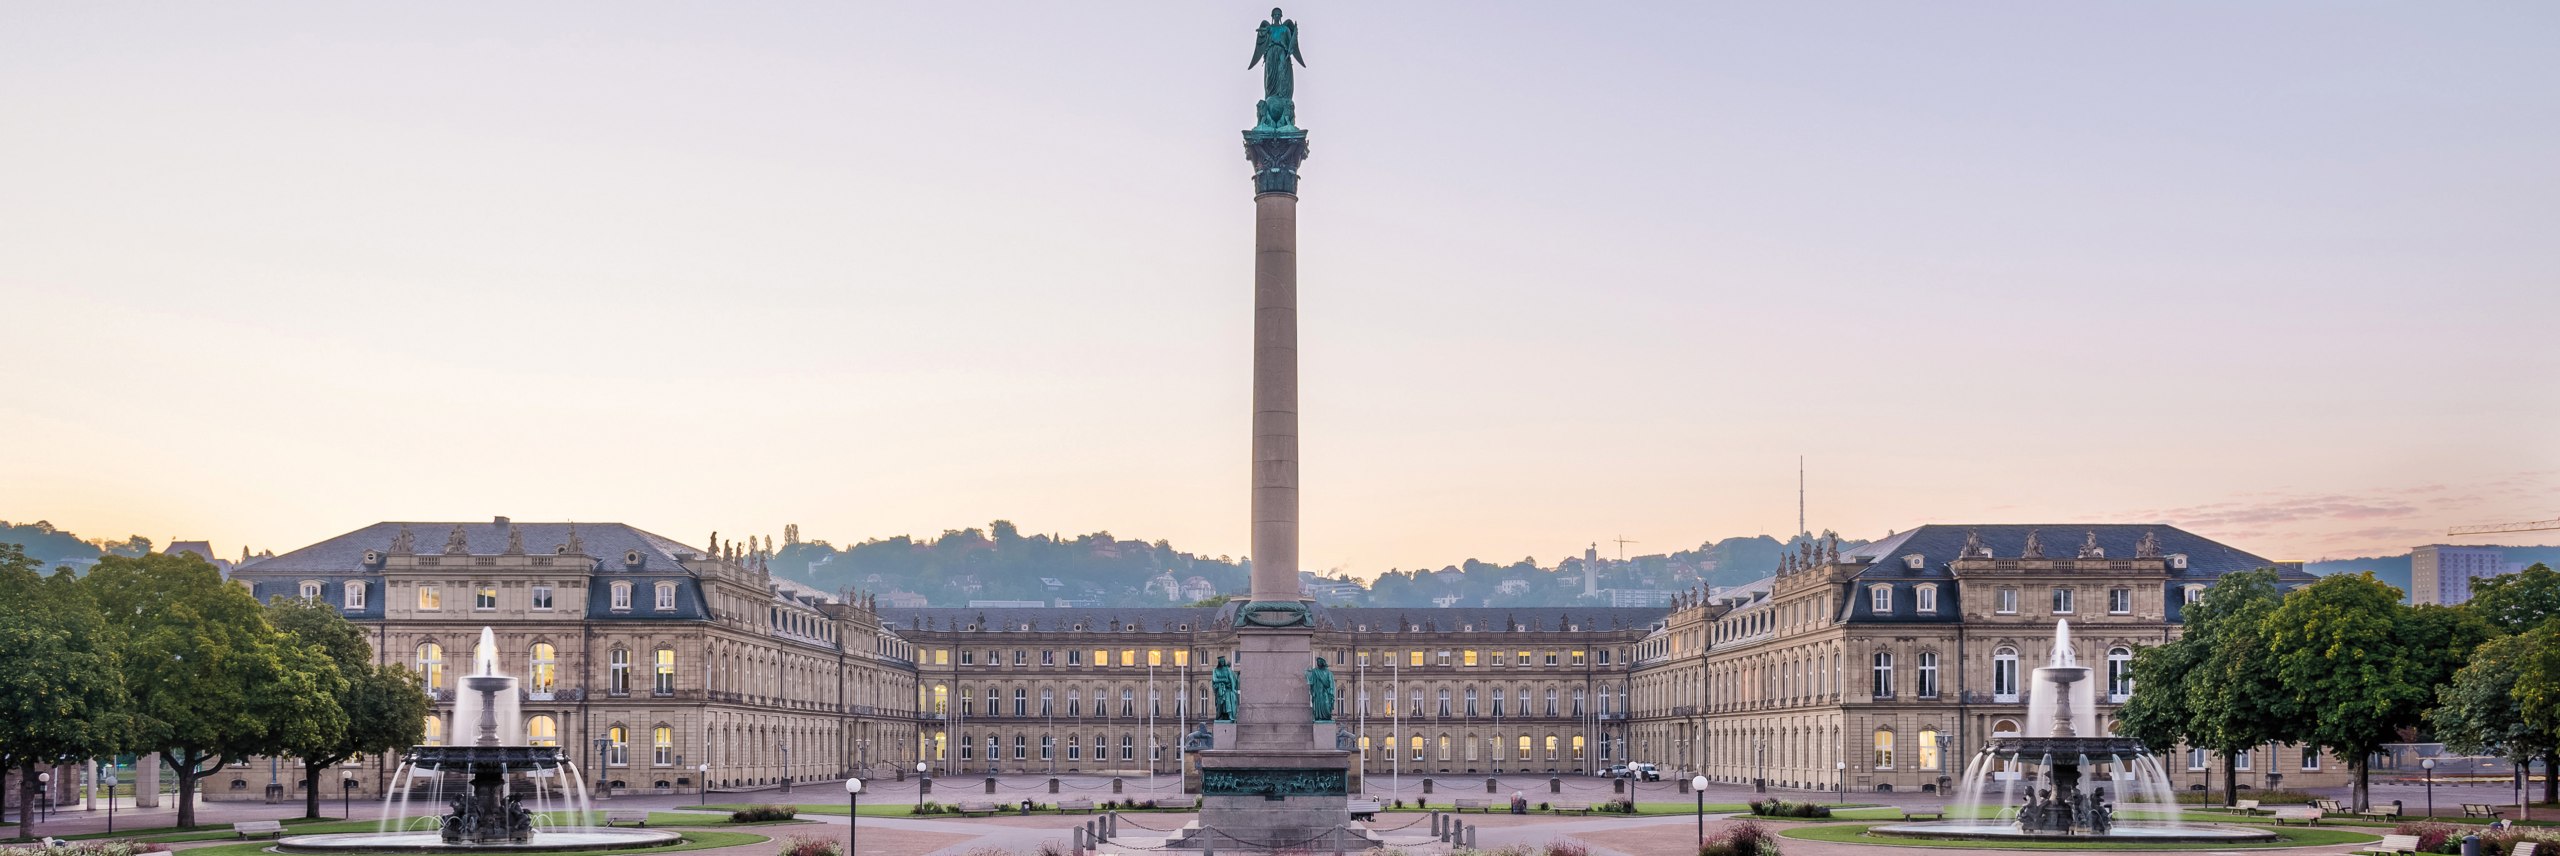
(1658, 835)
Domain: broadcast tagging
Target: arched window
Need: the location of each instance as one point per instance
(1928, 674)
(1075, 747)
(621, 594)
(431, 664)
(546, 667)
(2119, 674)
(355, 594)
(1928, 749)
(1128, 746)
(618, 672)
(1075, 703)
(309, 590)
(542, 731)
(2005, 728)
(1444, 748)
(1884, 749)
(435, 731)
(666, 672)
(1883, 674)
(2004, 674)
(617, 746)
(1416, 743)
(1022, 707)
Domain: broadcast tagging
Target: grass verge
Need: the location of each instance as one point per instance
(1856, 833)
(698, 840)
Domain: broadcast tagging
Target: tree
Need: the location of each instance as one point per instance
(2519, 601)
(59, 693)
(2213, 688)
(382, 706)
(2356, 666)
(209, 679)
(2481, 711)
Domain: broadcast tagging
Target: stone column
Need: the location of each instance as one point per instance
(1275, 393)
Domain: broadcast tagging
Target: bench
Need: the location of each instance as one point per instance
(1364, 810)
(2327, 805)
(2308, 816)
(248, 828)
(2480, 810)
(1575, 807)
(1177, 802)
(2395, 844)
(2522, 848)
(1065, 806)
(2247, 808)
(635, 818)
(1939, 813)
(975, 809)
(2380, 812)
(1485, 806)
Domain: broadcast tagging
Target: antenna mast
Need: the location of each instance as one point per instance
(1800, 496)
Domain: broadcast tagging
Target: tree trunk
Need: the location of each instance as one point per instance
(311, 789)
(2230, 779)
(2551, 776)
(187, 775)
(27, 811)
(2358, 796)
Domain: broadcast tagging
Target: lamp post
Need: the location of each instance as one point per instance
(1699, 786)
(346, 799)
(1840, 771)
(2430, 765)
(28, 813)
(785, 746)
(702, 782)
(921, 785)
(604, 771)
(852, 815)
(1945, 738)
(110, 781)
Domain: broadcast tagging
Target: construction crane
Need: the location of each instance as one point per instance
(1623, 541)
(2490, 528)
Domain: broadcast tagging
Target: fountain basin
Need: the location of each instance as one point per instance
(432, 842)
(1992, 830)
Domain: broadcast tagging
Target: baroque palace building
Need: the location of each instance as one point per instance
(672, 667)
(1881, 667)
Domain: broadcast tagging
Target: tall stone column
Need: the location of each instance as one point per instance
(1275, 380)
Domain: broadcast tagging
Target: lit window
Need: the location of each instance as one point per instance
(546, 667)
(431, 664)
(666, 597)
(666, 672)
(1101, 657)
(542, 598)
(435, 731)
(1416, 658)
(430, 598)
(542, 731)
(662, 746)
(355, 594)
(617, 746)
(1928, 749)
(484, 596)
(1181, 657)
(1884, 749)
(1579, 657)
(621, 595)
(1469, 657)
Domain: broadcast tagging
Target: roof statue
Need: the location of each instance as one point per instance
(576, 544)
(457, 543)
(714, 549)
(403, 542)
(2034, 548)
(1973, 545)
(1275, 45)
(2089, 549)
(2149, 547)
(515, 541)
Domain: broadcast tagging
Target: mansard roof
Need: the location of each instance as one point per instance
(609, 542)
(1938, 544)
(1378, 619)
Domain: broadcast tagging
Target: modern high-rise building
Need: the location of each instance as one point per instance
(2442, 573)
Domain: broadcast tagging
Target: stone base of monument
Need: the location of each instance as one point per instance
(1274, 800)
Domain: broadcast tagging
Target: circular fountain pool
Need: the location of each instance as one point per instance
(1995, 830)
(432, 842)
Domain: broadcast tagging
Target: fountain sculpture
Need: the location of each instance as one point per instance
(489, 813)
(2059, 750)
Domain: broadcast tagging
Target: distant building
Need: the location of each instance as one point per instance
(202, 550)
(1324, 589)
(1008, 604)
(1638, 597)
(903, 600)
(2442, 573)
(1164, 584)
(1511, 587)
(1198, 589)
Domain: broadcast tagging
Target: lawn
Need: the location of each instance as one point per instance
(692, 841)
(1856, 833)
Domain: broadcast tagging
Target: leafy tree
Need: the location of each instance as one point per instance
(2537, 694)
(2356, 666)
(382, 706)
(59, 693)
(2518, 601)
(2481, 712)
(209, 679)
(2213, 688)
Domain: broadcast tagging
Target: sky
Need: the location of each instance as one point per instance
(2281, 273)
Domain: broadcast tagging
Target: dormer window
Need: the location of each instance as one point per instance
(1880, 599)
(1925, 598)
(309, 590)
(2194, 593)
(355, 594)
(621, 595)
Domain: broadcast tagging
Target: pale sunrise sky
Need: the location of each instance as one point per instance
(2282, 273)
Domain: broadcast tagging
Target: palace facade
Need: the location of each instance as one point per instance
(673, 667)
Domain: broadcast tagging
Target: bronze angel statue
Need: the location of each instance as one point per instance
(1275, 45)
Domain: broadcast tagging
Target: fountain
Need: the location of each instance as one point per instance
(489, 814)
(2060, 748)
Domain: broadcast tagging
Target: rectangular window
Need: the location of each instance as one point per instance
(2008, 601)
(1551, 658)
(1444, 656)
(1884, 750)
(1524, 659)
(622, 595)
(1021, 657)
(968, 657)
(1928, 750)
(1926, 600)
(2061, 600)
(430, 598)
(1048, 658)
(666, 596)
(2196, 759)
(1416, 658)
(1579, 657)
(1364, 659)
(1880, 600)
(1128, 656)
(542, 598)
(2241, 761)
(1101, 657)
(484, 596)
(2119, 601)
(1181, 657)
(2311, 757)
(666, 668)
(1470, 657)
(355, 595)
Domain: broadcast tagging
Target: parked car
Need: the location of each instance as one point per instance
(1644, 772)
(1615, 771)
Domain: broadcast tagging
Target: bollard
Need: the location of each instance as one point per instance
(1053, 784)
(1079, 840)
(1209, 843)
(1490, 785)
(1555, 786)
(1683, 785)
(1471, 838)
(1111, 824)
(1619, 786)
(1115, 784)
(1426, 784)
(1338, 835)
(924, 784)
(991, 784)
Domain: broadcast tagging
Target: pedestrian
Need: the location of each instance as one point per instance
(1519, 803)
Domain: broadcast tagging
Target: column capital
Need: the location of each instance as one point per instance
(1275, 156)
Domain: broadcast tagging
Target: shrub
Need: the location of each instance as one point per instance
(801, 845)
(1053, 847)
(1620, 806)
(762, 813)
(1566, 847)
(1419, 802)
(2431, 836)
(1783, 808)
(88, 848)
(2504, 841)
(928, 807)
(1542, 807)
(1742, 839)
